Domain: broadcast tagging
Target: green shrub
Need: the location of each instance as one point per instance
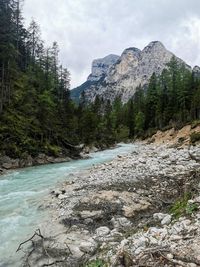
(194, 137)
(12, 150)
(179, 206)
(53, 150)
(195, 123)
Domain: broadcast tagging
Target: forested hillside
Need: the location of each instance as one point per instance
(37, 115)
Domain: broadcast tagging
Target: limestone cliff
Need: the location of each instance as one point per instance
(120, 76)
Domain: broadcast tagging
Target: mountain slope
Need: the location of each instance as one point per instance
(121, 78)
(100, 68)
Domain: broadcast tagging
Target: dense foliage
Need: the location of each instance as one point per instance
(171, 99)
(37, 115)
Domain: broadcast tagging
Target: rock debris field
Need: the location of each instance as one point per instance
(141, 209)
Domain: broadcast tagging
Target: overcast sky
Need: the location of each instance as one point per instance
(89, 29)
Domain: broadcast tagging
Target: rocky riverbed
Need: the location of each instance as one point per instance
(142, 209)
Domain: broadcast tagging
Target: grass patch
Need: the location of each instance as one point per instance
(181, 207)
(191, 208)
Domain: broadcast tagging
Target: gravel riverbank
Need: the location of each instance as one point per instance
(140, 209)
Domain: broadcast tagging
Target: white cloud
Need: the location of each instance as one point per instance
(88, 29)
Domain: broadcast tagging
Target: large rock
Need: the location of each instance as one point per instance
(41, 159)
(7, 166)
(8, 163)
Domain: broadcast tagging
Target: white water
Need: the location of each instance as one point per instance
(22, 192)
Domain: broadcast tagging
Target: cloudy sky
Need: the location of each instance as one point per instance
(89, 29)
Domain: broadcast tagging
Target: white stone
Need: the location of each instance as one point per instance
(141, 242)
(159, 216)
(192, 265)
(153, 241)
(88, 247)
(197, 200)
(166, 220)
(102, 231)
(175, 237)
(170, 256)
(138, 250)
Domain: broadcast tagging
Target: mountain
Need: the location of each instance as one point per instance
(100, 68)
(120, 76)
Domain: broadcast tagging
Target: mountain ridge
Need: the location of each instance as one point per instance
(124, 74)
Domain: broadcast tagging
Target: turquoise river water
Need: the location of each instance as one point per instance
(22, 192)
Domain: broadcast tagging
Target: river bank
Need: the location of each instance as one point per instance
(82, 152)
(171, 137)
(138, 208)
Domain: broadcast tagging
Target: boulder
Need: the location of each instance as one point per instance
(7, 166)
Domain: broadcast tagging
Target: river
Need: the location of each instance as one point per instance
(23, 191)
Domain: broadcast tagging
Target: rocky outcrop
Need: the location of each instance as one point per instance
(7, 163)
(69, 152)
(174, 137)
(100, 67)
(133, 69)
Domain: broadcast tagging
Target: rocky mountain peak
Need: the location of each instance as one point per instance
(131, 50)
(130, 54)
(120, 76)
(101, 66)
(153, 46)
